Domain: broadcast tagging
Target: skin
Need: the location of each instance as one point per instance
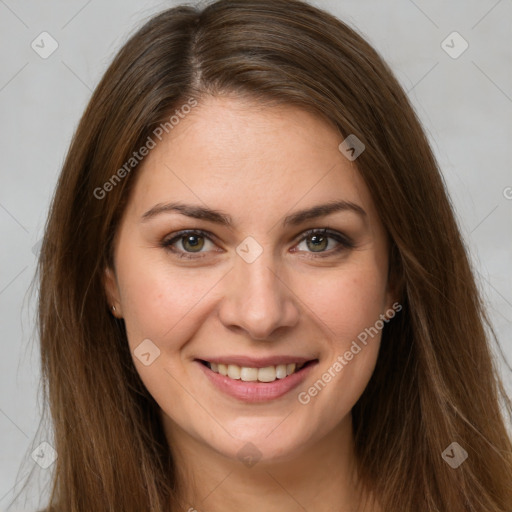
(257, 164)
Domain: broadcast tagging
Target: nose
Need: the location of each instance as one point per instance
(257, 299)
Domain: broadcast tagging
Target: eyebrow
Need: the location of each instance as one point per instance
(219, 217)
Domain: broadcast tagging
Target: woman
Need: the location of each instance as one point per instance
(253, 291)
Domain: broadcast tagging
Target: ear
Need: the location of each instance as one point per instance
(112, 292)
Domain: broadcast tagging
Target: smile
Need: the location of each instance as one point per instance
(251, 379)
(256, 380)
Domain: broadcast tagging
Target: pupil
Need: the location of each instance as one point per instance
(193, 242)
(317, 240)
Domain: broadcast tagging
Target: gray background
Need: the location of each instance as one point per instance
(465, 104)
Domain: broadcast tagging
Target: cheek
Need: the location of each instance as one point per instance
(348, 306)
(348, 301)
(165, 305)
(159, 299)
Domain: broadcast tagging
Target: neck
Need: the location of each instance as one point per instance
(322, 477)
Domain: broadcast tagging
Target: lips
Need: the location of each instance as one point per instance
(256, 380)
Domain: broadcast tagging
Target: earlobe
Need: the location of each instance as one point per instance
(112, 292)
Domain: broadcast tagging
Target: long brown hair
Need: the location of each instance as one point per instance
(435, 381)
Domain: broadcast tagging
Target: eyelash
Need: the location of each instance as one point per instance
(344, 242)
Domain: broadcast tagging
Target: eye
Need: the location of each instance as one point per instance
(318, 241)
(189, 244)
(191, 241)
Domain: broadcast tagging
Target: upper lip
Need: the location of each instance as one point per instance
(257, 362)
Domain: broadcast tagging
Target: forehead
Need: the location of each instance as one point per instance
(248, 158)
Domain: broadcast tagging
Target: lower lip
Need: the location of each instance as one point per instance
(256, 391)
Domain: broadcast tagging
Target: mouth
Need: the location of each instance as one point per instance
(256, 380)
(260, 374)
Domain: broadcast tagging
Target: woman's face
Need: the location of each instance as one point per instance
(248, 290)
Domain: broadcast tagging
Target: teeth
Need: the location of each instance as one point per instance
(234, 371)
(249, 374)
(267, 374)
(281, 371)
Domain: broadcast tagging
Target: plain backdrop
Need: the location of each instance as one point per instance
(464, 102)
